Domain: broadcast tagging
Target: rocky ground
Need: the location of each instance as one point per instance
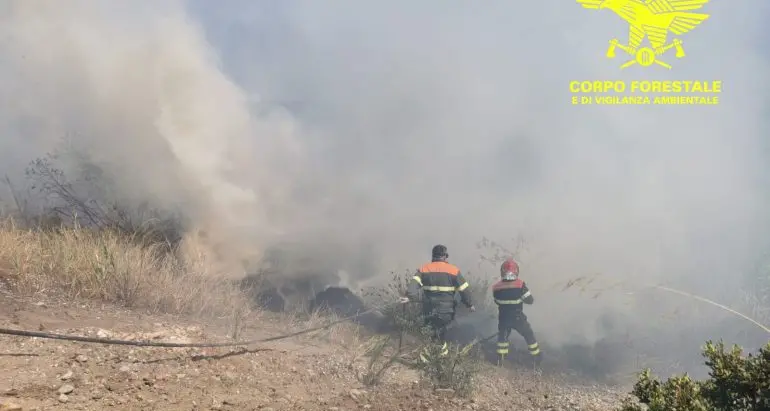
(313, 372)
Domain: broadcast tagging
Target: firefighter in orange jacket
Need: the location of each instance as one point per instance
(510, 294)
(439, 282)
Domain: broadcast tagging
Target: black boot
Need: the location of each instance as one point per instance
(537, 359)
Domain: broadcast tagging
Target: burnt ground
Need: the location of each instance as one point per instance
(313, 372)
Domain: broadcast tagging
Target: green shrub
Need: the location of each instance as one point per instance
(455, 370)
(736, 383)
(406, 318)
(378, 363)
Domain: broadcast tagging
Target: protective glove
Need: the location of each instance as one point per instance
(403, 300)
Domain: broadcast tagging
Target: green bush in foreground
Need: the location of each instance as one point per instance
(736, 383)
(455, 371)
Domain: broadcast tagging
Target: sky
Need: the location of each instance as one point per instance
(379, 129)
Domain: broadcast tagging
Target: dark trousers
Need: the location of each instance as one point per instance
(522, 326)
(438, 323)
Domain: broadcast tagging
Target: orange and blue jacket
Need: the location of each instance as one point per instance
(439, 282)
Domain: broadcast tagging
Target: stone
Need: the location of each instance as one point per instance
(9, 406)
(357, 394)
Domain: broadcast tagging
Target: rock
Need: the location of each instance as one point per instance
(81, 358)
(66, 376)
(63, 398)
(66, 389)
(357, 394)
(9, 406)
(157, 335)
(103, 334)
(229, 376)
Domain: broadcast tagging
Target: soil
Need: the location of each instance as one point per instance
(313, 372)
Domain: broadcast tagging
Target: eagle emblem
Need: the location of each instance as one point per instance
(653, 19)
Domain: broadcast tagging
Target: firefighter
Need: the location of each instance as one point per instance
(439, 281)
(510, 294)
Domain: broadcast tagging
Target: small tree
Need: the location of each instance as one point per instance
(89, 199)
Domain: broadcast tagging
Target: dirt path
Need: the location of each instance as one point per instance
(317, 372)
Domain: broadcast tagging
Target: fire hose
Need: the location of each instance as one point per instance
(157, 344)
(109, 341)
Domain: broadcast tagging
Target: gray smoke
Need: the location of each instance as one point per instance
(386, 128)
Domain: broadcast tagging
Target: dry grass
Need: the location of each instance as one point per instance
(79, 263)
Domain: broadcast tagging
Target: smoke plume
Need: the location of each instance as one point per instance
(368, 132)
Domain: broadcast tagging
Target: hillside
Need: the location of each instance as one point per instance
(313, 372)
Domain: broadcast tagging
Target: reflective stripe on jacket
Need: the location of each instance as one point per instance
(510, 296)
(439, 281)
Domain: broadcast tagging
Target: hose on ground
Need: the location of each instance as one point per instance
(110, 341)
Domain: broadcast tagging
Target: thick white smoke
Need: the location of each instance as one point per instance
(140, 89)
(393, 126)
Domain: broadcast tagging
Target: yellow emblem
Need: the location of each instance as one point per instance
(653, 18)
